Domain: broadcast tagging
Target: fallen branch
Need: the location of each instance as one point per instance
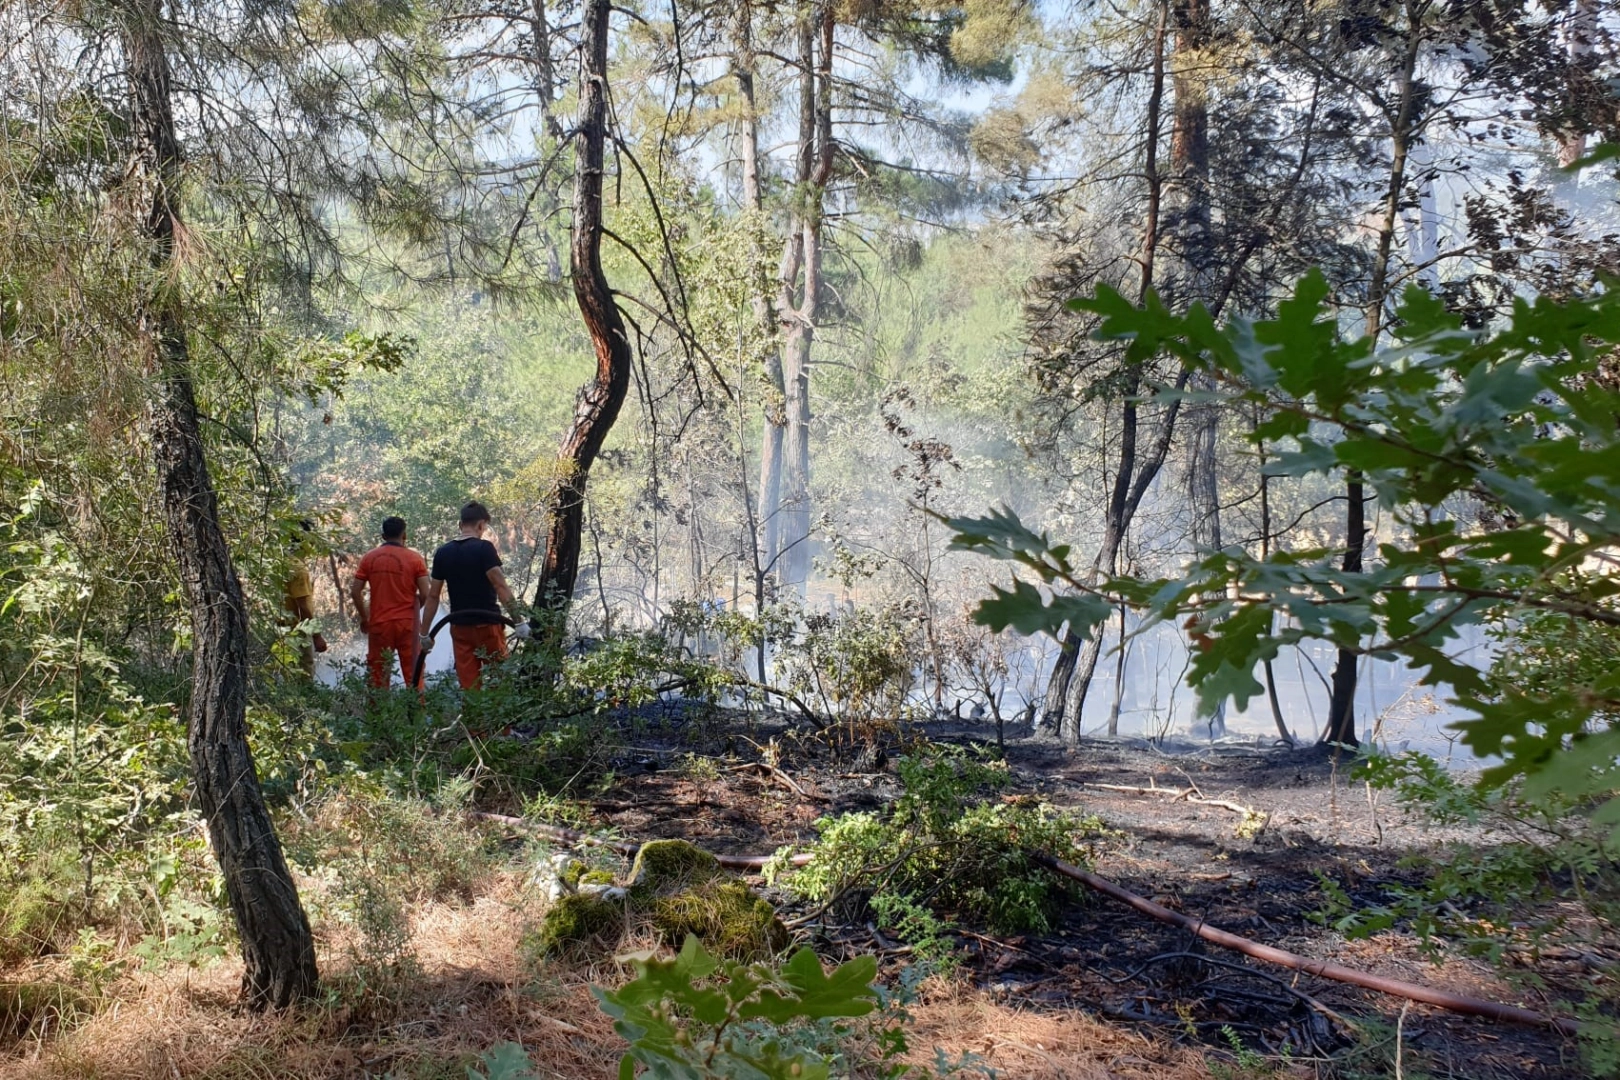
(786, 695)
(782, 777)
(1190, 794)
(1459, 1003)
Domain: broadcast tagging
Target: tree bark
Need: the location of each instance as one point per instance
(1583, 30)
(1265, 553)
(799, 324)
(768, 525)
(599, 401)
(278, 950)
(1341, 718)
(1190, 220)
(1071, 678)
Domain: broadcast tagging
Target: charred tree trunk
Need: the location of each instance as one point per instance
(599, 401)
(1404, 126)
(278, 950)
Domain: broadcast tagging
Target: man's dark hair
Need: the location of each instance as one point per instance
(473, 513)
(393, 528)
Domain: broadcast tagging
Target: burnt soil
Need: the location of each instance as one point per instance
(677, 777)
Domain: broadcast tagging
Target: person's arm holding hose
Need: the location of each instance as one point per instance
(424, 590)
(509, 601)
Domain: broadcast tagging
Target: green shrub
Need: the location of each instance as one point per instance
(942, 851)
(694, 1016)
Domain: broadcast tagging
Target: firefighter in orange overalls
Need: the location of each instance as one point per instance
(392, 623)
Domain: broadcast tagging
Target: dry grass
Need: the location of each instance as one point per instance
(472, 992)
(1046, 1046)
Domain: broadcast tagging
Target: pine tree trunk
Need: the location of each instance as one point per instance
(768, 525)
(278, 950)
(799, 324)
(599, 401)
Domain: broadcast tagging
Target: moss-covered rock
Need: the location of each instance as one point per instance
(577, 924)
(675, 889)
(727, 916)
(666, 866)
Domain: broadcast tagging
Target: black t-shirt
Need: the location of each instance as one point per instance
(464, 565)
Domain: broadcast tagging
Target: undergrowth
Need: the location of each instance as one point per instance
(945, 850)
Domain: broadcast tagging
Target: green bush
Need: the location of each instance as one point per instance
(944, 851)
(697, 1017)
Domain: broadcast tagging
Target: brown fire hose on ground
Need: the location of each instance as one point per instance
(1458, 1003)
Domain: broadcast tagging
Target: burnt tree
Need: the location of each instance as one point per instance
(600, 400)
(278, 950)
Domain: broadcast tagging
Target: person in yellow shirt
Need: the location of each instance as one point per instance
(297, 598)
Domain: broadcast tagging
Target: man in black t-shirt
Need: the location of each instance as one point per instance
(471, 567)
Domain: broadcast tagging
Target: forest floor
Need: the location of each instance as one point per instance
(1107, 993)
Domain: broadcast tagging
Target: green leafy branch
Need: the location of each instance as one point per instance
(693, 1016)
(1520, 419)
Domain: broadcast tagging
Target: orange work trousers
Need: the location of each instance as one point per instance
(399, 638)
(474, 645)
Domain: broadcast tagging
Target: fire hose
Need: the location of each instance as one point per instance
(432, 635)
(1458, 1003)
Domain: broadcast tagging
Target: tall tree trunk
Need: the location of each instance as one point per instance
(1341, 718)
(278, 950)
(1190, 217)
(1203, 472)
(1119, 675)
(1066, 693)
(768, 525)
(599, 400)
(816, 161)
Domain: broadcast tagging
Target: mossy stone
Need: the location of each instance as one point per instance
(677, 889)
(578, 923)
(665, 866)
(727, 916)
